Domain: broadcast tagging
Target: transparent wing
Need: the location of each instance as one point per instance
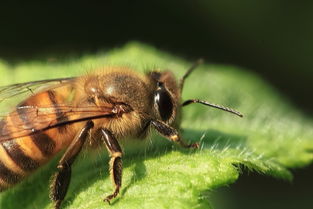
(37, 119)
(11, 91)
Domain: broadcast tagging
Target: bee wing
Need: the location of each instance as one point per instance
(11, 91)
(38, 119)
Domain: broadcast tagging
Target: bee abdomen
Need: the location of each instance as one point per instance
(8, 177)
(20, 156)
(15, 164)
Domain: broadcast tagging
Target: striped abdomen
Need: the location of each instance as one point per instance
(22, 154)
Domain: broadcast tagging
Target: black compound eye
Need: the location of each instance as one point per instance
(164, 102)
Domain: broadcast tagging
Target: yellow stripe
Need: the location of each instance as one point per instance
(30, 149)
(9, 163)
(26, 144)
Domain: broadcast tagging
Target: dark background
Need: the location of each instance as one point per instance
(273, 38)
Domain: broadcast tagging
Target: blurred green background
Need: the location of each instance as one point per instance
(273, 38)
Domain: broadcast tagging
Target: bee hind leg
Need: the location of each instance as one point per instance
(61, 179)
(116, 166)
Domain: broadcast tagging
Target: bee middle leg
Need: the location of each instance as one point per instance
(116, 166)
(171, 134)
(61, 179)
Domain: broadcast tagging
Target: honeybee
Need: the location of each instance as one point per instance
(100, 108)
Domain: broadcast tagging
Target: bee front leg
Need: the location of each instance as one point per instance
(61, 179)
(171, 134)
(116, 166)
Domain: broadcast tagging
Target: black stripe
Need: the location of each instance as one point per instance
(44, 143)
(4, 131)
(59, 114)
(22, 110)
(2, 127)
(5, 173)
(18, 156)
(9, 176)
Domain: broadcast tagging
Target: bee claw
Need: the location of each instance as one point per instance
(112, 196)
(108, 199)
(195, 145)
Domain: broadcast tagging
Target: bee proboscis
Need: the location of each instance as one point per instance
(101, 108)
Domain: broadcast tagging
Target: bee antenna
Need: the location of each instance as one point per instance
(189, 71)
(227, 109)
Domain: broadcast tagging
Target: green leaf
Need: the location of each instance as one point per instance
(272, 137)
